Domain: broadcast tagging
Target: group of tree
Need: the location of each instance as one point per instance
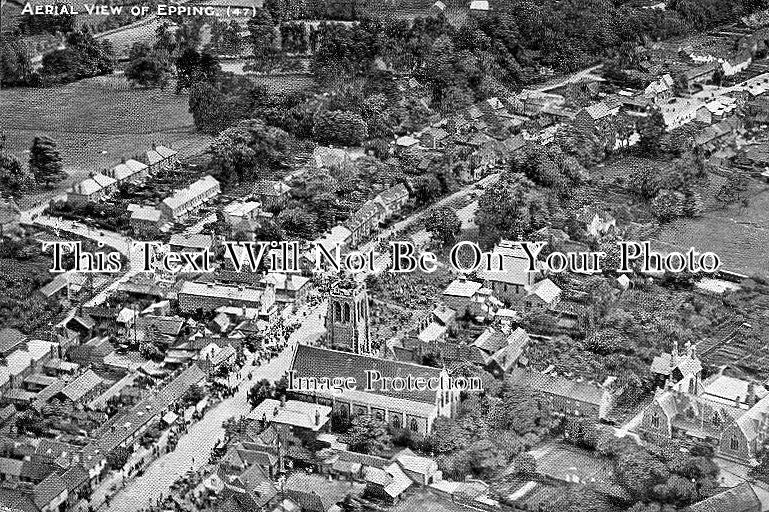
(226, 38)
(247, 151)
(221, 101)
(512, 208)
(147, 68)
(16, 65)
(82, 57)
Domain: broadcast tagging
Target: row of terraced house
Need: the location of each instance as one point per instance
(102, 185)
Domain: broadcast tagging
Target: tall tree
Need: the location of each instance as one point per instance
(44, 161)
(14, 179)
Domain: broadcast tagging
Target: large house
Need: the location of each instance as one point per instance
(188, 200)
(272, 193)
(567, 396)
(393, 200)
(409, 408)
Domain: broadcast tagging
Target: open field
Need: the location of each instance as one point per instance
(740, 236)
(98, 121)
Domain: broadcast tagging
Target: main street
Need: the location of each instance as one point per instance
(195, 446)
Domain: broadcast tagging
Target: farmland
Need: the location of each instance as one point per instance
(98, 121)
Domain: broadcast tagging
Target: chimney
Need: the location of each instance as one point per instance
(751, 398)
(737, 401)
(283, 401)
(317, 417)
(275, 411)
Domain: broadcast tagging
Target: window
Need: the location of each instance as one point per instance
(337, 312)
(396, 421)
(346, 313)
(414, 425)
(734, 443)
(379, 415)
(656, 420)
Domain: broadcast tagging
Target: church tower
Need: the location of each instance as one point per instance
(347, 320)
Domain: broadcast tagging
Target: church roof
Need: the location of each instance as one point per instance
(324, 363)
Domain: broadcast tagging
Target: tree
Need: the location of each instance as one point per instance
(651, 129)
(260, 392)
(118, 458)
(668, 205)
(297, 222)
(447, 436)
(14, 179)
(275, 8)
(247, 150)
(645, 181)
(368, 435)
(187, 66)
(443, 224)
(525, 465)
(15, 64)
(693, 205)
(339, 127)
(264, 39)
(44, 161)
(510, 208)
(146, 68)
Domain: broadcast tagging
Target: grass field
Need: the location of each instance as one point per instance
(740, 236)
(98, 121)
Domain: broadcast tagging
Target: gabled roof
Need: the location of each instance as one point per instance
(741, 498)
(394, 193)
(195, 190)
(573, 389)
(546, 290)
(48, 490)
(149, 214)
(462, 288)
(168, 325)
(10, 339)
(598, 110)
(79, 387)
(165, 152)
(103, 180)
(271, 188)
(194, 241)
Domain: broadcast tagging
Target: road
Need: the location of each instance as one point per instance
(570, 79)
(194, 448)
(466, 214)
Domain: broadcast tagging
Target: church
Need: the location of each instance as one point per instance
(349, 355)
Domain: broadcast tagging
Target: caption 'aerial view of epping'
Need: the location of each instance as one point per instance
(384, 256)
